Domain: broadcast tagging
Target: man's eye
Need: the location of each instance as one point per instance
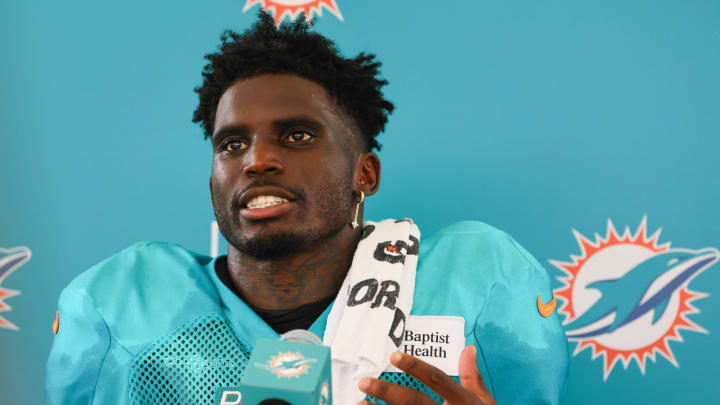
(298, 137)
(234, 145)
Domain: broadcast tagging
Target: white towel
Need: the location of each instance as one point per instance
(367, 321)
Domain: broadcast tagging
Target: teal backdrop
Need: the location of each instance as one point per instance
(538, 117)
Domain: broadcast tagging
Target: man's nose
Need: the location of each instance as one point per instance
(262, 158)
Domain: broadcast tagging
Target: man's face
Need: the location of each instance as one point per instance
(283, 166)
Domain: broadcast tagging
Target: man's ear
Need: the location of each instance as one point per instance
(367, 174)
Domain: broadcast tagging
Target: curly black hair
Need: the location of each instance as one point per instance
(290, 48)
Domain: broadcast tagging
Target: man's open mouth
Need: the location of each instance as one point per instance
(264, 201)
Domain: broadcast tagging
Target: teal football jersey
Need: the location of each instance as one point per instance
(153, 324)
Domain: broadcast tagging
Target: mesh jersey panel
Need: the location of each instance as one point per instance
(186, 366)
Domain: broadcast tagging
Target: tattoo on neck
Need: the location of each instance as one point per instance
(293, 283)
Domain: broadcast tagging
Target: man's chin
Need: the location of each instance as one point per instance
(270, 247)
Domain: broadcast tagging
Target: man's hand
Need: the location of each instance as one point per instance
(471, 390)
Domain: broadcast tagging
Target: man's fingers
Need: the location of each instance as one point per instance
(392, 393)
(470, 377)
(434, 378)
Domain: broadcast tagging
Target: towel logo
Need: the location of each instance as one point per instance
(287, 365)
(395, 252)
(626, 297)
(293, 8)
(10, 260)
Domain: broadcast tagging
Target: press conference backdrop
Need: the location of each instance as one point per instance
(587, 130)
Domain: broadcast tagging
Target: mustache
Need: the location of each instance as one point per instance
(235, 203)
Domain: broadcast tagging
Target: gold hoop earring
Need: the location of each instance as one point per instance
(354, 224)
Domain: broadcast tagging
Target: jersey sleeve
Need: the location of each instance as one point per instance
(524, 353)
(78, 351)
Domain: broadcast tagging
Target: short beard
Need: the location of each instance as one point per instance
(271, 247)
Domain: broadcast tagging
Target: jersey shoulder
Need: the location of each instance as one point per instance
(475, 249)
(146, 289)
(461, 263)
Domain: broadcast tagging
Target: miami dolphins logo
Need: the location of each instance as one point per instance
(10, 260)
(287, 365)
(626, 296)
(324, 394)
(292, 8)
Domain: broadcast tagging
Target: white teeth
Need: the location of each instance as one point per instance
(265, 201)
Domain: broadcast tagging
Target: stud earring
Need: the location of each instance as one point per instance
(354, 224)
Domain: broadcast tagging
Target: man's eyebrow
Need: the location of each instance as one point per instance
(230, 129)
(298, 120)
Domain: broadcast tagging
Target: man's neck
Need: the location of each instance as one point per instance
(294, 280)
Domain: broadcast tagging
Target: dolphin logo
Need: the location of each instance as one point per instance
(10, 260)
(324, 393)
(646, 287)
(287, 364)
(294, 364)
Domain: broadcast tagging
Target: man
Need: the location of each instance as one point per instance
(292, 126)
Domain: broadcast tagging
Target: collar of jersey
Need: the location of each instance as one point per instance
(249, 326)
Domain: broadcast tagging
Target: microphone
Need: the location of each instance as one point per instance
(294, 370)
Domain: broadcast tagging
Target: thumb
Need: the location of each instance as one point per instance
(470, 377)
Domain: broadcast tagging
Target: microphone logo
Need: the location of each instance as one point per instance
(325, 393)
(287, 365)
